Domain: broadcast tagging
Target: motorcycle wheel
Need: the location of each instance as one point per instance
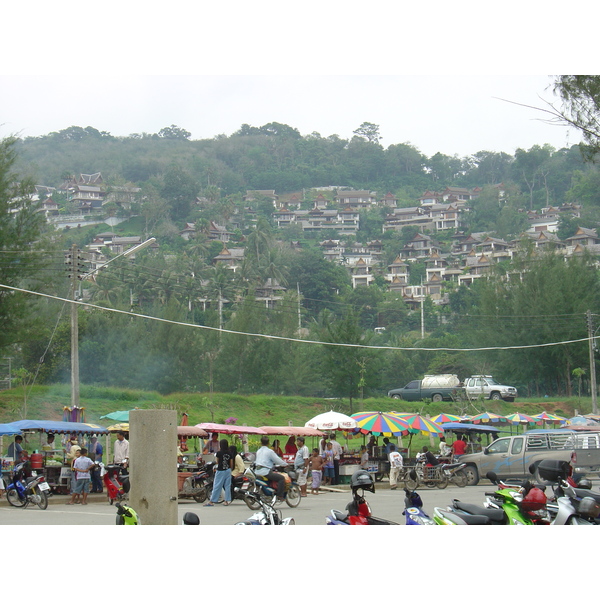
(431, 484)
(442, 483)
(292, 498)
(250, 502)
(411, 484)
(14, 499)
(201, 495)
(43, 503)
(459, 479)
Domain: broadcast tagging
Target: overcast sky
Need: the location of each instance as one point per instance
(433, 76)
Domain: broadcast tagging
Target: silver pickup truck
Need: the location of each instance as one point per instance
(511, 457)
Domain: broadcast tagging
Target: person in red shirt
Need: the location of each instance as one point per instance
(459, 447)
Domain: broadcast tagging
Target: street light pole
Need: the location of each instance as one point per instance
(75, 314)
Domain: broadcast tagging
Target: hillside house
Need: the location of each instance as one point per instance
(355, 198)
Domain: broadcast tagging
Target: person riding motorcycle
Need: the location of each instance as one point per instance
(266, 459)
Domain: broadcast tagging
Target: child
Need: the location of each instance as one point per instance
(316, 466)
(82, 467)
(329, 471)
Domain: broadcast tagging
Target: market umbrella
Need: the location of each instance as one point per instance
(380, 423)
(118, 427)
(520, 418)
(118, 415)
(445, 418)
(487, 417)
(332, 420)
(417, 424)
(544, 416)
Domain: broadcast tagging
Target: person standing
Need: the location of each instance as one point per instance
(238, 466)
(121, 453)
(301, 465)
(337, 455)
(445, 449)
(364, 458)
(15, 450)
(82, 467)
(396, 464)
(459, 447)
(222, 476)
(328, 469)
(316, 470)
(212, 446)
(95, 452)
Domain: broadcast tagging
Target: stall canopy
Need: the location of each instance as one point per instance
(189, 431)
(465, 427)
(9, 430)
(303, 431)
(117, 415)
(230, 428)
(57, 426)
(332, 420)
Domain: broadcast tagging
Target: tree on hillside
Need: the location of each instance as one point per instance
(174, 133)
(22, 255)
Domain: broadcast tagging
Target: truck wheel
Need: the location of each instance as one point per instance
(472, 475)
(437, 398)
(396, 396)
(495, 396)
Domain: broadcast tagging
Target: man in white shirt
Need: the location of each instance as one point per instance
(396, 463)
(301, 465)
(121, 454)
(337, 453)
(266, 459)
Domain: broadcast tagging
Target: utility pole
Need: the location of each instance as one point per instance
(299, 313)
(422, 311)
(74, 275)
(592, 350)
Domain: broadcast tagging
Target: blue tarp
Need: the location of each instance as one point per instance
(57, 426)
(470, 427)
(9, 430)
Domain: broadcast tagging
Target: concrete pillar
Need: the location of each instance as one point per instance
(153, 465)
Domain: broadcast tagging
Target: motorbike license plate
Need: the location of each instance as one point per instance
(44, 486)
(245, 485)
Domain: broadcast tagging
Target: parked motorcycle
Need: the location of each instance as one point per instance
(27, 488)
(116, 480)
(257, 484)
(199, 484)
(267, 515)
(413, 510)
(358, 512)
(570, 505)
(435, 475)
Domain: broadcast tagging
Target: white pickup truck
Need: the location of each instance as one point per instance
(485, 385)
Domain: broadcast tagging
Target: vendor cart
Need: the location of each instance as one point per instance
(51, 462)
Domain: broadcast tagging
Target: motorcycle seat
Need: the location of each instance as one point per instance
(468, 519)
(496, 515)
(583, 493)
(338, 515)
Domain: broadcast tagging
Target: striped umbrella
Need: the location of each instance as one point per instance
(488, 417)
(544, 416)
(417, 423)
(379, 423)
(520, 418)
(445, 418)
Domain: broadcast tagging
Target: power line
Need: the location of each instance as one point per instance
(298, 340)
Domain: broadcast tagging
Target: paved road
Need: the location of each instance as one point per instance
(312, 510)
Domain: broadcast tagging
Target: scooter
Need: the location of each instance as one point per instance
(570, 505)
(413, 510)
(27, 488)
(127, 516)
(267, 515)
(268, 489)
(116, 480)
(358, 511)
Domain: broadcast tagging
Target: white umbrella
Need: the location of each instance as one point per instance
(332, 420)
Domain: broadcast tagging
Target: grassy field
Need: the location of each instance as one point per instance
(47, 402)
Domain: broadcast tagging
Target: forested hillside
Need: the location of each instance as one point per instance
(319, 339)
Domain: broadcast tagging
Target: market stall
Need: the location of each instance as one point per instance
(472, 432)
(51, 461)
(292, 433)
